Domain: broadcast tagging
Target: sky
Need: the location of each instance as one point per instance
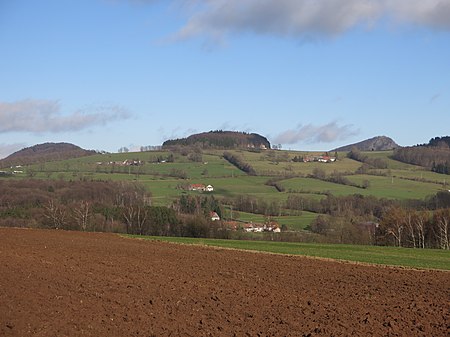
(307, 74)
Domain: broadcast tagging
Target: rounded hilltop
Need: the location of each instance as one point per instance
(45, 152)
(222, 139)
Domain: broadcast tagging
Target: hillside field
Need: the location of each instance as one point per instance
(167, 175)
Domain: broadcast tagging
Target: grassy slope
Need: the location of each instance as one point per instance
(405, 257)
(228, 181)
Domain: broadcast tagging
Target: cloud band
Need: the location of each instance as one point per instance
(316, 134)
(41, 116)
(304, 18)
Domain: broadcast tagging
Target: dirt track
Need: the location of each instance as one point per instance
(56, 283)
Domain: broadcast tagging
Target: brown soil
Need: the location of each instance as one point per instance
(57, 283)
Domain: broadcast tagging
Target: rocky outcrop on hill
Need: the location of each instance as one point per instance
(380, 143)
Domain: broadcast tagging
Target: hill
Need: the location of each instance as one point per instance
(222, 139)
(435, 155)
(43, 153)
(443, 142)
(380, 143)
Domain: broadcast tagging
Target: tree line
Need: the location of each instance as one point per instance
(239, 163)
(358, 219)
(99, 206)
(435, 155)
(378, 163)
(127, 208)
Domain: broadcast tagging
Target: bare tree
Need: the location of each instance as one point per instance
(56, 214)
(442, 218)
(129, 213)
(410, 226)
(82, 214)
(394, 222)
(135, 216)
(141, 218)
(420, 220)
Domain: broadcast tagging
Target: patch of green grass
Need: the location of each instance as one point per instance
(422, 175)
(391, 163)
(297, 222)
(210, 166)
(404, 257)
(293, 222)
(263, 165)
(395, 188)
(249, 185)
(229, 182)
(318, 186)
(379, 186)
(163, 191)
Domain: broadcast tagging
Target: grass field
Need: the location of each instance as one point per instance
(293, 222)
(395, 188)
(399, 181)
(404, 257)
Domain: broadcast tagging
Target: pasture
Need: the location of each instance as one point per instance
(167, 174)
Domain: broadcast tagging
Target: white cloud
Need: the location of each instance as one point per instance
(278, 17)
(41, 116)
(176, 133)
(316, 133)
(432, 13)
(216, 19)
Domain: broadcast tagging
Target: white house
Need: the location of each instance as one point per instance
(214, 216)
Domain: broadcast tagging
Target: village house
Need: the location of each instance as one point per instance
(132, 162)
(320, 159)
(261, 146)
(197, 187)
(272, 226)
(251, 227)
(214, 216)
(201, 188)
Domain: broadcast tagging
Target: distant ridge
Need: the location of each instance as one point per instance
(43, 153)
(222, 139)
(380, 143)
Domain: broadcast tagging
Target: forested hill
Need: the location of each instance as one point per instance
(223, 140)
(43, 153)
(439, 142)
(435, 155)
(380, 143)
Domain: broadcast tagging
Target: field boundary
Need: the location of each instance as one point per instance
(202, 244)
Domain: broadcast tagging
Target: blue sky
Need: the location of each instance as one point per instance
(307, 74)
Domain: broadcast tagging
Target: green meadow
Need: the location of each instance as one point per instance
(390, 256)
(167, 180)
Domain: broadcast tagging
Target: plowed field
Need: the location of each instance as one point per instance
(57, 283)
